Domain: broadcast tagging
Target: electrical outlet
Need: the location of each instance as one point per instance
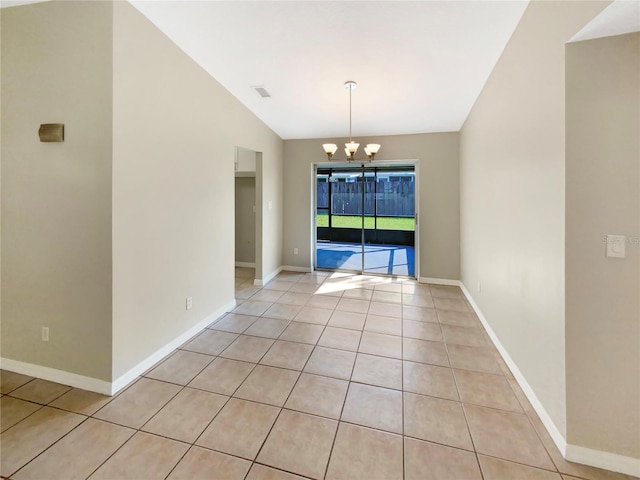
(295, 251)
(45, 334)
(189, 303)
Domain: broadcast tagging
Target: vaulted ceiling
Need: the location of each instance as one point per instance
(419, 65)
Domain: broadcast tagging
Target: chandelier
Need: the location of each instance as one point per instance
(351, 147)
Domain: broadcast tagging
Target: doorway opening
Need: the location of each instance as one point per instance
(365, 219)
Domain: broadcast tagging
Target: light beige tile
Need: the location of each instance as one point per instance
(387, 297)
(302, 332)
(412, 288)
(358, 294)
(186, 416)
(299, 443)
(380, 344)
(331, 363)
(260, 472)
(420, 300)
(353, 305)
(81, 401)
(341, 338)
(425, 351)
(136, 405)
(268, 385)
(303, 287)
(471, 336)
(350, 320)
(200, 463)
(314, 277)
(143, 456)
(267, 327)
(79, 453)
(233, 323)
(295, 298)
(430, 461)
(460, 319)
(363, 454)
(323, 301)
(585, 471)
(419, 314)
(319, 316)
(436, 420)
(446, 291)
(394, 287)
(247, 348)
(429, 380)
(252, 307)
(318, 395)
(240, 428)
(454, 304)
(387, 325)
(285, 354)
(478, 359)
(40, 391)
(496, 469)
(181, 367)
(378, 371)
(270, 296)
(506, 435)
(422, 330)
(10, 381)
(222, 376)
(385, 309)
(33, 435)
(12, 410)
(245, 291)
(210, 342)
(487, 390)
(374, 407)
(283, 311)
(278, 284)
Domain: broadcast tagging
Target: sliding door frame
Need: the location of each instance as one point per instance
(362, 167)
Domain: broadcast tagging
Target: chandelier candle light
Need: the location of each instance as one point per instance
(351, 147)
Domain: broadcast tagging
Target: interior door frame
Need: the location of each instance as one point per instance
(359, 165)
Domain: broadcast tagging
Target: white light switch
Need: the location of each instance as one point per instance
(270, 204)
(616, 246)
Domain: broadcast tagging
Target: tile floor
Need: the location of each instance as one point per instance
(313, 376)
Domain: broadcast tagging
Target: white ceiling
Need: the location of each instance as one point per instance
(620, 17)
(419, 65)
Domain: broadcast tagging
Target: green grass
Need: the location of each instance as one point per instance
(384, 223)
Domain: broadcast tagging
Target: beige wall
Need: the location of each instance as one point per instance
(512, 197)
(56, 197)
(438, 167)
(603, 197)
(175, 132)
(245, 219)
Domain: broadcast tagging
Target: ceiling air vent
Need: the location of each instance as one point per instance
(262, 92)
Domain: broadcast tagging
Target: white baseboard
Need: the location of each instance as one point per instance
(261, 282)
(125, 379)
(557, 437)
(291, 268)
(102, 386)
(440, 281)
(246, 264)
(58, 376)
(572, 453)
(606, 460)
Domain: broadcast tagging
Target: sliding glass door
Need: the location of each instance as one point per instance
(365, 219)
